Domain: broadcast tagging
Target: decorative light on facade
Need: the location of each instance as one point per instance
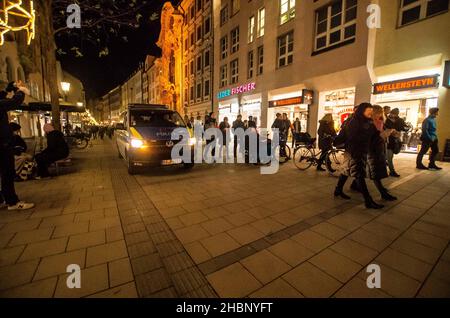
(15, 17)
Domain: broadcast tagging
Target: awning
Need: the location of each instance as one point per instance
(47, 107)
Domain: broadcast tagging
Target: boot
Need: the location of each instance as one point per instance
(371, 204)
(386, 196)
(421, 167)
(354, 186)
(339, 193)
(433, 166)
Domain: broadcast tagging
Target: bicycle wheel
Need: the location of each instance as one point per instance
(81, 143)
(335, 159)
(303, 158)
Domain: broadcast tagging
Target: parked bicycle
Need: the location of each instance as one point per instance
(79, 141)
(306, 156)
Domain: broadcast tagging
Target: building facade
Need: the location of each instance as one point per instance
(308, 58)
(197, 57)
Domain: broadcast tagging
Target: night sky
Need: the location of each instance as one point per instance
(100, 75)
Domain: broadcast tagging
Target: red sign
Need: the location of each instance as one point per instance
(286, 102)
(406, 84)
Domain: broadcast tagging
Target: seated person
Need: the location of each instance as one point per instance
(24, 163)
(57, 149)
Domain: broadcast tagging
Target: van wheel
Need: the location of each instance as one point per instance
(131, 169)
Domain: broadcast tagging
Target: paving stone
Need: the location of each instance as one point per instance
(191, 234)
(382, 229)
(233, 281)
(178, 262)
(277, 289)
(71, 229)
(9, 256)
(356, 252)
(217, 226)
(5, 238)
(267, 226)
(87, 216)
(336, 265)
(85, 240)
(106, 253)
(20, 226)
(417, 250)
(57, 220)
(146, 263)
(124, 291)
(57, 264)
(40, 289)
(188, 280)
(198, 252)
(357, 288)
(102, 224)
(32, 236)
(135, 238)
(240, 218)
(291, 252)
(330, 231)
(114, 234)
(265, 266)
(150, 283)
(245, 234)
(93, 280)
(9, 276)
(312, 240)
(120, 272)
(371, 240)
(219, 244)
(311, 281)
(42, 249)
(435, 288)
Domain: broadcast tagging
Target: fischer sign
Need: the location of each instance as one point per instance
(237, 90)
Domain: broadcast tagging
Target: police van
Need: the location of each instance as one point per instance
(145, 137)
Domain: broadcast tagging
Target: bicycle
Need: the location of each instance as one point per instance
(306, 156)
(78, 141)
(285, 151)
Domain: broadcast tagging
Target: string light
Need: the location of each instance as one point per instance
(14, 8)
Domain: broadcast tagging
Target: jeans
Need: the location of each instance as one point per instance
(390, 159)
(7, 173)
(426, 145)
(361, 184)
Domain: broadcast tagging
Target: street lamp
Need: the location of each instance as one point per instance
(79, 104)
(65, 87)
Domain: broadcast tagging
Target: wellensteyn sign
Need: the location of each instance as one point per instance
(237, 90)
(408, 84)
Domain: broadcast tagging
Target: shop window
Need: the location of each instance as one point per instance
(286, 49)
(335, 24)
(235, 40)
(261, 22)
(415, 10)
(260, 60)
(224, 76)
(251, 29)
(224, 47)
(287, 10)
(250, 64)
(235, 6)
(224, 15)
(234, 69)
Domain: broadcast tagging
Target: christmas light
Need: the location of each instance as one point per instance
(26, 17)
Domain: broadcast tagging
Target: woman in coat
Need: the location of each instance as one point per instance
(377, 153)
(326, 134)
(359, 133)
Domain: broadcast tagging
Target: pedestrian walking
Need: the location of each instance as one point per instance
(8, 197)
(224, 127)
(326, 134)
(429, 140)
(238, 123)
(394, 143)
(358, 133)
(296, 129)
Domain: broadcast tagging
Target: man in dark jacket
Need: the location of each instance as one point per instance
(429, 140)
(7, 171)
(57, 149)
(394, 143)
(238, 123)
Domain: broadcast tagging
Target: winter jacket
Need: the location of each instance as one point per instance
(326, 134)
(56, 145)
(429, 129)
(376, 158)
(6, 104)
(398, 125)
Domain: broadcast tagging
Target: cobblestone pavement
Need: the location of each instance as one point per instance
(223, 231)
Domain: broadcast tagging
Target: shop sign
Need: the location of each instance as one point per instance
(406, 84)
(344, 114)
(286, 102)
(237, 90)
(308, 96)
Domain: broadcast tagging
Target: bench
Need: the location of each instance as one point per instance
(61, 163)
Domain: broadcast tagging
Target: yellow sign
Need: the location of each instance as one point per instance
(15, 17)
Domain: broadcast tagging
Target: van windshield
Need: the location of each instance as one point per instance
(148, 118)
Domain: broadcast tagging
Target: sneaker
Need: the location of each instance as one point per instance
(21, 206)
(422, 167)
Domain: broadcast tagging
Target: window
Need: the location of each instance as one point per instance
(224, 47)
(261, 22)
(192, 36)
(286, 49)
(207, 27)
(199, 63)
(335, 23)
(206, 59)
(192, 12)
(250, 64)
(186, 44)
(199, 33)
(191, 65)
(224, 76)
(191, 98)
(206, 89)
(260, 60)
(199, 91)
(224, 15)
(414, 10)
(234, 69)
(287, 10)
(251, 29)
(199, 5)
(235, 6)
(235, 40)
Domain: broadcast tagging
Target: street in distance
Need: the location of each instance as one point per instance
(226, 308)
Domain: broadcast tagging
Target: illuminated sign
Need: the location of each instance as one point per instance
(286, 102)
(15, 17)
(407, 84)
(237, 90)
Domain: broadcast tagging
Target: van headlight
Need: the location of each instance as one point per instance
(192, 141)
(137, 143)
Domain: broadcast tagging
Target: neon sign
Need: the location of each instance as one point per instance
(237, 90)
